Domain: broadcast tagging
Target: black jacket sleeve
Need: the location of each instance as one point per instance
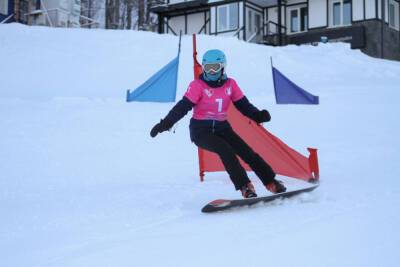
(178, 111)
(247, 109)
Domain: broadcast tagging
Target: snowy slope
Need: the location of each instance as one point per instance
(83, 184)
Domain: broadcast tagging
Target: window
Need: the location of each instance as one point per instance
(336, 14)
(340, 12)
(346, 12)
(222, 18)
(233, 16)
(257, 24)
(298, 19)
(304, 19)
(294, 21)
(393, 16)
(254, 22)
(228, 17)
(250, 20)
(4, 7)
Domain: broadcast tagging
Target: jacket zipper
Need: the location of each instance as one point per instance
(213, 124)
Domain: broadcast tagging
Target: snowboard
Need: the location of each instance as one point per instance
(224, 204)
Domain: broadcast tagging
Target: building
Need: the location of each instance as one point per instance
(54, 13)
(15, 10)
(282, 22)
(6, 11)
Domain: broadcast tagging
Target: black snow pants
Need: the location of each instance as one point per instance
(219, 137)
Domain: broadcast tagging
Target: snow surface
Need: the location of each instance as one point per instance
(83, 184)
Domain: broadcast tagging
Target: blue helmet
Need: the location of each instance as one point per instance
(213, 63)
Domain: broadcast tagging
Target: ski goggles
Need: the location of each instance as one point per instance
(213, 67)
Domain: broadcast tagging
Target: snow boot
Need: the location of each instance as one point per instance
(276, 187)
(248, 191)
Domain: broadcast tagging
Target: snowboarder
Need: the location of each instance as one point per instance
(210, 96)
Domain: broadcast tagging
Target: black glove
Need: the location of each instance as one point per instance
(262, 116)
(160, 127)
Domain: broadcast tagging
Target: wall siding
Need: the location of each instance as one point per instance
(4, 8)
(177, 24)
(379, 4)
(385, 2)
(241, 19)
(370, 9)
(374, 35)
(317, 18)
(358, 10)
(213, 14)
(273, 16)
(386, 12)
(9, 8)
(195, 22)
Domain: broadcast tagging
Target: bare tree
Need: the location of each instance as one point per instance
(130, 14)
(141, 13)
(113, 14)
(91, 10)
(130, 4)
(151, 18)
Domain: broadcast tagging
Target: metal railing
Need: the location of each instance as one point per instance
(236, 34)
(275, 33)
(255, 35)
(7, 19)
(204, 26)
(277, 26)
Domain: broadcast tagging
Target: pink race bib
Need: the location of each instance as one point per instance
(212, 103)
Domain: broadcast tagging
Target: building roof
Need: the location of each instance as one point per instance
(179, 6)
(185, 5)
(265, 3)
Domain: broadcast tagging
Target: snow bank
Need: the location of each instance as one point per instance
(83, 184)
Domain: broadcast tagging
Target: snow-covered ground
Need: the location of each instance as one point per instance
(83, 184)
